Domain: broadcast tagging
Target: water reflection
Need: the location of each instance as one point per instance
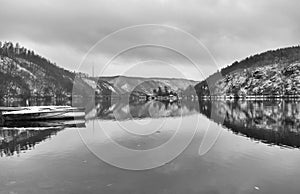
(271, 122)
(123, 110)
(14, 141)
(16, 137)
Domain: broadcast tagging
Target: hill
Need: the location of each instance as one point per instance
(124, 84)
(275, 72)
(25, 74)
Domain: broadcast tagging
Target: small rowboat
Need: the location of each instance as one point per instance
(43, 113)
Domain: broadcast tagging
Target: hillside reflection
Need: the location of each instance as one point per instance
(16, 137)
(122, 110)
(271, 122)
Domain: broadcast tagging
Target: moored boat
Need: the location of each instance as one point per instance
(43, 113)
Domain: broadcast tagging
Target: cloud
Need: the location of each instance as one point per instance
(64, 30)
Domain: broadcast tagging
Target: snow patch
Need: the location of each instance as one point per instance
(91, 83)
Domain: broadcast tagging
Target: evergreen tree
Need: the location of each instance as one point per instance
(159, 93)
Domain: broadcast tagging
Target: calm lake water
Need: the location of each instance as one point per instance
(188, 147)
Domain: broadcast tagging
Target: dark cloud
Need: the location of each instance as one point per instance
(64, 30)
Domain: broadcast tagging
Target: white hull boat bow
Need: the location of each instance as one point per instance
(43, 113)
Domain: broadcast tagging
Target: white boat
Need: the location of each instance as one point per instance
(43, 113)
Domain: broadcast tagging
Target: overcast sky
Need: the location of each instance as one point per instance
(190, 39)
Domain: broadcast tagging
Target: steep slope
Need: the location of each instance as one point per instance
(269, 73)
(275, 79)
(25, 74)
(99, 86)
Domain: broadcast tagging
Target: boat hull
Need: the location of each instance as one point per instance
(44, 113)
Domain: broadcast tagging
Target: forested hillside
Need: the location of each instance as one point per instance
(25, 74)
(273, 72)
